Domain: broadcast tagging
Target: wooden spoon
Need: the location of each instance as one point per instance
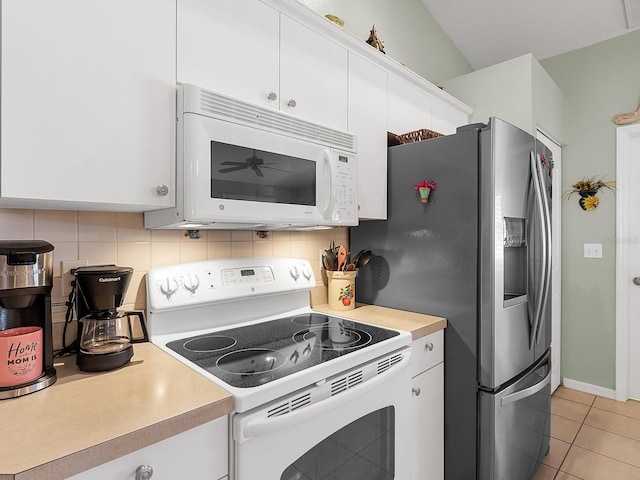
(342, 255)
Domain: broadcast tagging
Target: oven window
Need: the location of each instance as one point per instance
(364, 449)
(240, 173)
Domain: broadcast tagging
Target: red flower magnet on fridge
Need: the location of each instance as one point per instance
(424, 188)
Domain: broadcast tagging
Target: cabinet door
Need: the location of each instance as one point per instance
(427, 410)
(409, 107)
(368, 120)
(313, 75)
(231, 47)
(88, 103)
(201, 452)
(446, 118)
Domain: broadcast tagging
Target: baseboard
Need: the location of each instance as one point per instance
(589, 388)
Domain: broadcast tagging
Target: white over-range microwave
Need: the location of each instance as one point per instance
(244, 166)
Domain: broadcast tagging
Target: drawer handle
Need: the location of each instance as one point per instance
(429, 346)
(416, 391)
(144, 472)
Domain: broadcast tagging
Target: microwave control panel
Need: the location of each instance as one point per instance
(345, 200)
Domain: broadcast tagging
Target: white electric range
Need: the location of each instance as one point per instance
(247, 325)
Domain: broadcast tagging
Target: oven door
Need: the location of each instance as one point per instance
(361, 430)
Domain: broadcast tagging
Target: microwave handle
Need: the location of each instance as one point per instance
(332, 175)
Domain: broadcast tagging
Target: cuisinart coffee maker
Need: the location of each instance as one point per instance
(26, 340)
(105, 336)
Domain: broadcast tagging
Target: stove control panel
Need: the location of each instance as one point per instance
(247, 276)
(223, 280)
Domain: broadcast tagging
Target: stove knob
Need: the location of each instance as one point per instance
(191, 283)
(293, 271)
(294, 357)
(168, 287)
(307, 351)
(306, 272)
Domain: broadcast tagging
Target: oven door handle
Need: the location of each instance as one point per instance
(264, 426)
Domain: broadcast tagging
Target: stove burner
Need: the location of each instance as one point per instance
(251, 361)
(210, 343)
(311, 319)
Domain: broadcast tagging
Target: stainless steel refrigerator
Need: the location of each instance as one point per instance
(478, 253)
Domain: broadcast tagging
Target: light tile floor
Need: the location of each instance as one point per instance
(592, 438)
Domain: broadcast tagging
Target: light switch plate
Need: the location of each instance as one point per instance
(592, 250)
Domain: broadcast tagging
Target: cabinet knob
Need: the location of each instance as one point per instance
(162, 190)
(144, 472)
(636, 281)
(429, 346)
(272, 97)
(291, 103)
(416, 391)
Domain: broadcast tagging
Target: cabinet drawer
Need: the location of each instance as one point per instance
(427, 352)
(201, 452)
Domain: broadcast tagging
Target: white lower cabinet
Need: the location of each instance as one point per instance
(427, 408)
(201, 452)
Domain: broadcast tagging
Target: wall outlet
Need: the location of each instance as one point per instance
(67, 278)
(592, 250)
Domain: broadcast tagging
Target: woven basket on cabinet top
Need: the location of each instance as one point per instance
(418, 135)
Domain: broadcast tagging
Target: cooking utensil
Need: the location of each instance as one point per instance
(331, 259)
(342, 255)
(364, 258)
(357, 257)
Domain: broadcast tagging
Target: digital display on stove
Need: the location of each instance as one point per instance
(245, 273)
(256, 354)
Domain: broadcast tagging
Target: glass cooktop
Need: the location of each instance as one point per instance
(256, 354)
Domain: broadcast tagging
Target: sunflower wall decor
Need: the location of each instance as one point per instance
(588, 188)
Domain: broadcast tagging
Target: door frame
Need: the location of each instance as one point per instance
(624, 199)
(556, 255)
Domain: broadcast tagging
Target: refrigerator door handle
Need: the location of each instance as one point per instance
(535, 178)
(547, 241)
(527, 392)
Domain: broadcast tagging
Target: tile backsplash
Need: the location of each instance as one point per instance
(121, 239)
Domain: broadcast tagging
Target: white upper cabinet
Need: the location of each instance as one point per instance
(368, 120)
(88, 104)
(409, 107)
(313, 75)
(231, 47)
(250, 51)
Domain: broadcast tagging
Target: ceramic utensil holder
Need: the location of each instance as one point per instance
(342, 290)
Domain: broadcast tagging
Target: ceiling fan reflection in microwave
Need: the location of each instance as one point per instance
(254, 163)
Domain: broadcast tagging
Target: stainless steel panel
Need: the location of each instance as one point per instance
(543, 334)
(515, 426)
(425, 260)
(504, 329)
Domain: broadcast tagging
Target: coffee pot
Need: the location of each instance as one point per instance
(26, 338)
(105, 336)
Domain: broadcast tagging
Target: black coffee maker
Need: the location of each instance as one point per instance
(105, 336)
(26, 280)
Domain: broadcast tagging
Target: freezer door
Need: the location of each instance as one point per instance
(514, 426)
(505, 258)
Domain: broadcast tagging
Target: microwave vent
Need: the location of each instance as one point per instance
(244, 113)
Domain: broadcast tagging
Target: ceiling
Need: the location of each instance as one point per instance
(491, 31)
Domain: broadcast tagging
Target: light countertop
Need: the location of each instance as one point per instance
(418, 324)
(87, 419)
